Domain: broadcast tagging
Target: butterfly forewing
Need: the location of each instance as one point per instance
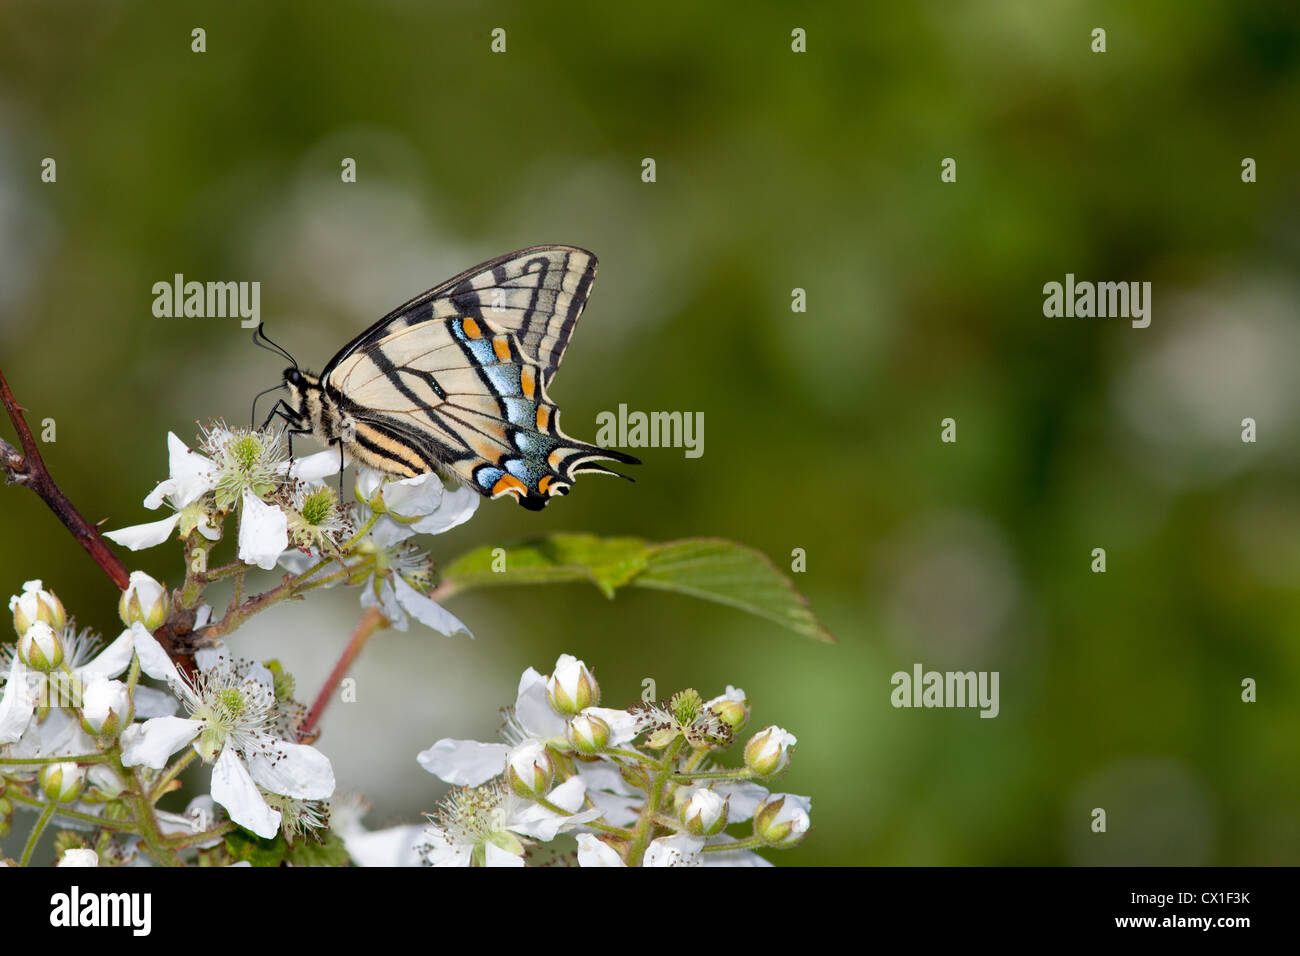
(460, 374)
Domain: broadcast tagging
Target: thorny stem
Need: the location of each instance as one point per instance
(28, 468)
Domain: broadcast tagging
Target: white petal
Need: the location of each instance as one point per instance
(78, 858)
(162, 490)
(533, 710)
(414, 497)
(152, 742)
(386, 602)
(568, 795)
(594, 852)
(622, 725)
(144, 535)
(388, 532)
(465, 763)
(743, 798)
(17, 704)
(495, 856)
(428, 611)
(153, 703)
(233, 788)
(618, 810)
(295, 770)
(263, 532)
(457, 507)
(536, 821)
(191, 472)
(674, 851)
(321, 465)
(153, 659)
(392, 847)
(112, 660)
(436, 847)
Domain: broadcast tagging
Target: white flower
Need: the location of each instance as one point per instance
(482, 826)
(422, 504)
(78, 858)
(768, 751)
(680, 850)
(468, 763)
(23, 687)
(191, 477)
(394, 846)
(233, 716)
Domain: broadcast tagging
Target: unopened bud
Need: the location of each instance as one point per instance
(572, 687)
(528, 768)
(40, 647)
(768, 751)
(62, 782)
(782, 819)
(144, 600)
(37, 604)
(705, 813)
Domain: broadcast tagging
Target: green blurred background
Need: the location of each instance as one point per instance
(775, 170)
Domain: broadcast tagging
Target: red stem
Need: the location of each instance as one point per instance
(29, 469)
(370, 622)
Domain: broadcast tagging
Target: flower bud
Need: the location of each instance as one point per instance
(782, 819)
(528, 768)
(732, 708)
(37, 604)
(588, 734)
(6, 808)
(768, 751)
(571, 688)
(40, 647)
(705, 813)
(62, 782)
(144, 600)
(78, 857)
(105, 707)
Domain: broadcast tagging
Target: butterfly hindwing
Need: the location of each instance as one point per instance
(459, 376)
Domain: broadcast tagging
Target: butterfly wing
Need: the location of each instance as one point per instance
(536, 293)
(458, 376)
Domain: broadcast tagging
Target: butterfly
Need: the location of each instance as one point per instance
(456, 380)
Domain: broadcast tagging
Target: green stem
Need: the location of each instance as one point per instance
(177, 766)
(740, 773)
(747, 843)
(645, 825)
(107, 757)
(180, 841)
(100, 822)
(36, 833)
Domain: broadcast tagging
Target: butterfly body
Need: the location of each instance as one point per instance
(456, 381)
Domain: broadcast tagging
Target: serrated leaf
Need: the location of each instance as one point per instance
(712, 569)
(728, 573)
(608, 563)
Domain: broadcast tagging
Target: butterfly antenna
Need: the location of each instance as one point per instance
(261, 341)
(252, 419)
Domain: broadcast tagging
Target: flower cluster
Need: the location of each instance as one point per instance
(77, 740)
(289, 515)
(635, 787)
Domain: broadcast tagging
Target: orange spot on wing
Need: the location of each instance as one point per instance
(501, 345)
(471, 328)
(509, 485)
(555, 458)
(528, 380)
(543, 484)
(543, 417)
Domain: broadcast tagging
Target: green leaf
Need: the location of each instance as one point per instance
(713, 569)
(242, 845)
(330, 851)
(728, 573)
(607, 563)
